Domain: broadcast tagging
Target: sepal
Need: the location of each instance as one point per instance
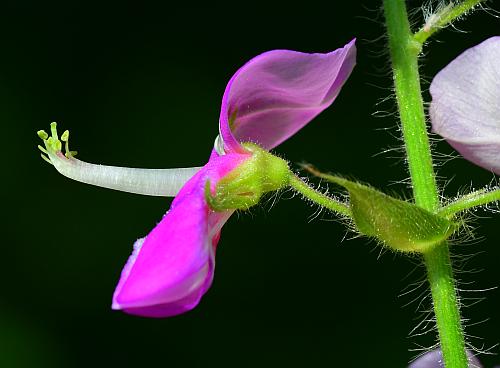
(244, 186)
(397, 224)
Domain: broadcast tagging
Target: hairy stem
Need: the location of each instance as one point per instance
(443, 17)
(446, 308)
(323, 200)
(404, 53)
(404, 56)
(471, 200)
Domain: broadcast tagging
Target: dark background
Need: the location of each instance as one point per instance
(140, 84)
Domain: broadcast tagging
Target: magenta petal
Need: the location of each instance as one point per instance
(465, 108)
(172, 267)
(276, 93)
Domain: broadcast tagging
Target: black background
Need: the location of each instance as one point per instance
(139, 84)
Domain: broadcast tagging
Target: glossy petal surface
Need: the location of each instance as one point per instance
(172, 267)
(465, 108)
(278, 92)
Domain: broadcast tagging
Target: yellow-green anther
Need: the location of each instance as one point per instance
(42, 134)
(65, 139)
(65, 136)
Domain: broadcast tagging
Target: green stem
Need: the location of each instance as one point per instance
(444, 297)
(471, 200)
(404, 52)
(404, 56)
(444, 17)
(332, 204)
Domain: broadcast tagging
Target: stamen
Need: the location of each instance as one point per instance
(42, 134)
(43, 149)
(46, 159)
(154, 182)
(53, 130)
(65, 139)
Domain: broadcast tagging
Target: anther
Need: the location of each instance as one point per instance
(42, 134)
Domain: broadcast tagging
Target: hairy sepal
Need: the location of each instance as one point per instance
(397, 224)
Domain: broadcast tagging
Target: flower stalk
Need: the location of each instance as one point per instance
(443, 17)
(404, 50)
(321, 199)
(478, 198)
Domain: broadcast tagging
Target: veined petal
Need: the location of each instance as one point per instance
(172, 267)
(465, 107)
(278, 92)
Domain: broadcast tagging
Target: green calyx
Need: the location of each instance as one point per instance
(397, 224)
(243, 187)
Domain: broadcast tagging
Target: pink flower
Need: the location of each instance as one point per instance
(465, 108)
(268, 100)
